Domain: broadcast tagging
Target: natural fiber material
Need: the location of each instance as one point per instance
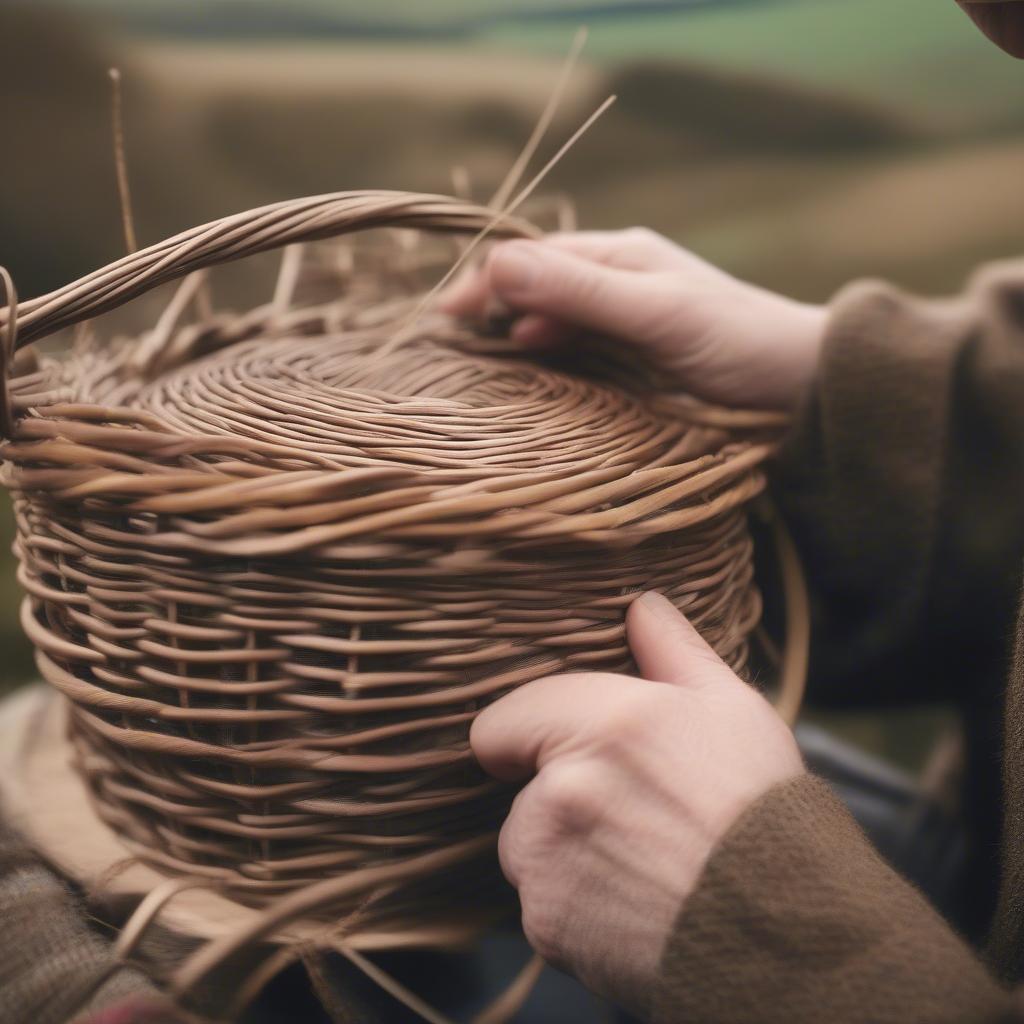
(277, 562)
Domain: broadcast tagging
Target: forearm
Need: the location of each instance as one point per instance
(902, 485)
(796, 919)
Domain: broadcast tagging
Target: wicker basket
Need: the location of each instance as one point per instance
(276, 562)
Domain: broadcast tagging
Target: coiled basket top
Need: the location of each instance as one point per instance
(276, 561)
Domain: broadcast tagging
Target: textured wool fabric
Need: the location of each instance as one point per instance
(797, 919)
(1006, 945)
(53, 967)
(904, 486)
(1001, 20)
(135, 1010)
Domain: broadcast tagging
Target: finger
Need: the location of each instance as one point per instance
(467, 295)
(533, 277)
(534, 330)
(611, 248)
(517, 735)
(632, 249)
(666, 647)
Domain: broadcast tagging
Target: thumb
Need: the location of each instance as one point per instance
(667, 649)
(533, 277)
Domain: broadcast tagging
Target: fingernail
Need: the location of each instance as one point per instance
(454, 296)
(515, 269)
(658, 604)
(524, 332)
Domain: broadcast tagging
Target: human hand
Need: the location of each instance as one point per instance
(633, 783)
(724, 340)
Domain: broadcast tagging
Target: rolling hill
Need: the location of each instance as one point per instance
(918, 55)
(390, 17)
(796, 142)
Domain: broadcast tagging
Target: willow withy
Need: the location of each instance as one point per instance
(276, 561)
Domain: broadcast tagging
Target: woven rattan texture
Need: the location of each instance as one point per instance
(276, 562)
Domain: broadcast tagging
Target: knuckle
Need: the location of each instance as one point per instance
(651, 245)
(510, 854)
(569, 796)
(541, 926)
(641, 235)
(631, 716)
(584, 283)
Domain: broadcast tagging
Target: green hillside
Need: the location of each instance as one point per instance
(218, 19)
(404, 12)
(917, 54)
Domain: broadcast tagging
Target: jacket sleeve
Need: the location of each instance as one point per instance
(903, 484)
(796, 919)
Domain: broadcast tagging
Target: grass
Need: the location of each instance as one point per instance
(944, 213)
(212, 129)
(919, 55)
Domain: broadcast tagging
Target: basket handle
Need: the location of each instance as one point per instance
(228, 239)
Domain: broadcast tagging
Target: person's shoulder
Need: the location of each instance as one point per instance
(1001, 20)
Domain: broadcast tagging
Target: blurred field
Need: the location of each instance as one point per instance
(915, 55)
(798, 142)
(911, 53)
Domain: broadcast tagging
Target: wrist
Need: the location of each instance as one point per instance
(806, 325)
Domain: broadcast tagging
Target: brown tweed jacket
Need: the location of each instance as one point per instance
(904, 485)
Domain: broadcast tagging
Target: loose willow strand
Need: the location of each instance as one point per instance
(277, 561)
(121, 161)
